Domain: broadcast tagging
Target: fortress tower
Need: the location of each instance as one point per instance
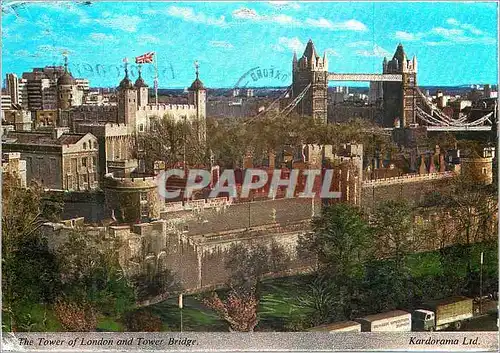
(127, 101)
(65, 86)
(142, 91)
(311, 70)
(197, 96)
(400, 97)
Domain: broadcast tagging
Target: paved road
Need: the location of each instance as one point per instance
(484, 323)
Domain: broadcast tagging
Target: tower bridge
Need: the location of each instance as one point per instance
(403, 103)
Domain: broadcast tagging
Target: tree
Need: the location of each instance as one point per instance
(341, 242)
(466, 214)
(148, 286)
(29, 269)
(239, 310)
(171, 141)
(90, 274)
(394, 231)
(340, 239)
(76, 317)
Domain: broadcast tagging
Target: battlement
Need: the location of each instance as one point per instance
(167, 107)
(197, 204)
(407, 178)
(96, 108)
(104, 129)
(112, 182)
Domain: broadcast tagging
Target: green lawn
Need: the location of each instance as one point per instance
(279, 303)
(110, 324)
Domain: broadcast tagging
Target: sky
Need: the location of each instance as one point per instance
(455, 42)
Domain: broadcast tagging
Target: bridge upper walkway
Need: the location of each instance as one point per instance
(332, 76)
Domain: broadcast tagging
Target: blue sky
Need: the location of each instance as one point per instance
(455, 43)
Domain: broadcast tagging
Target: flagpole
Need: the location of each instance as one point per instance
(156, 78)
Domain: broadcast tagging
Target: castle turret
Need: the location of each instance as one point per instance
(400, 97)
(197, 95)
(142, 90)
(294, 61)
(65, 87)
(127, 101)
(310, 75)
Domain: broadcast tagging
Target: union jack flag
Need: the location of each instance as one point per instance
(145, 58)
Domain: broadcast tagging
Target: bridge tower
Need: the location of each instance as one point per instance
(400, 97)
(311, 70)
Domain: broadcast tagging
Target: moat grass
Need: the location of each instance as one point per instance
(279, 298)
(110, 324)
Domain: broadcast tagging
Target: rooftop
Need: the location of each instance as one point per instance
(41, 138)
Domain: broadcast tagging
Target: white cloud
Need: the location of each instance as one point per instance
(102, 37)
(291, 44)
(407, 36)
(332, 52)
(285, 4)
(457, 33)
(189, 15)
(122, 22)
(471, 29)
(149, 38)
(285, 19)
(221, 44)
(150, 12)
(245, 13)
(446, 32)
(350, 25)
(51, 50)
(361, 43)
(24, 53)
(322, 23)
(377, 51)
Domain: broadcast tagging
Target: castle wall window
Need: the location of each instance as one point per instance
(141, 127)
(84, 161)
(484, 171)
(85, 145)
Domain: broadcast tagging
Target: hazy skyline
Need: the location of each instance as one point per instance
(455, 43)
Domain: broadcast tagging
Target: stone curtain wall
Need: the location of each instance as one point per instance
(414, 189)
(243, 215)
(196, 245)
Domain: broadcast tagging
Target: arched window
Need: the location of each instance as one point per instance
(84, 145)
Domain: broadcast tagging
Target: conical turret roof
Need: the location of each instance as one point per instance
(400, 53)
(310, 51)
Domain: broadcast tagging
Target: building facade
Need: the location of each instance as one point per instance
(56, 159)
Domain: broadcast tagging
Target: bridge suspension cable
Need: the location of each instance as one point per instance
(287, 91)
(443, 119)
(288, 109)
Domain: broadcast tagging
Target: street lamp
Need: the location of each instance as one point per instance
(481, 284)
(180, 307)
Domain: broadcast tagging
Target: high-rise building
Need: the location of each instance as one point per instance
(37, 90)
